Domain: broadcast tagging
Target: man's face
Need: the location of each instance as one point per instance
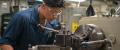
(52, 13)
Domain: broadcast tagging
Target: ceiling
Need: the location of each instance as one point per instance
(95, 2)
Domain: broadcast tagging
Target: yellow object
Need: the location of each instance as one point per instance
(74, 26)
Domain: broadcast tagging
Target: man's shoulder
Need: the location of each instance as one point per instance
(29, 15)
(27, 12)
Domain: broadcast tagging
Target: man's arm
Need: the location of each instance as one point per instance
(6, 47)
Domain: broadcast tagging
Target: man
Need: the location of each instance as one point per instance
(24, 28)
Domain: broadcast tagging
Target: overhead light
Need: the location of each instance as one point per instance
(82, 0)
(76, 0)
(39, 0)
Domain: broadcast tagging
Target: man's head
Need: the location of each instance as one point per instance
(54, 3)
(51, 8)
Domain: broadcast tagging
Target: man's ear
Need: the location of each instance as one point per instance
(43, 6)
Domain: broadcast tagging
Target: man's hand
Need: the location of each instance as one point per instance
(6, 47)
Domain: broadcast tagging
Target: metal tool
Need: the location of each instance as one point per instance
(51, 29)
